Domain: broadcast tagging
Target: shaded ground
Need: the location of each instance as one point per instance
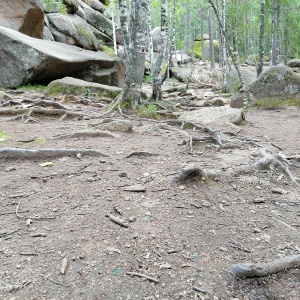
(184, 235)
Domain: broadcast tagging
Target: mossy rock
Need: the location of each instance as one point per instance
(78, 87)
(277, 87)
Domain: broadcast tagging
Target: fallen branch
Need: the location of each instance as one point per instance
(265, 162)
(248, 270)
(143, 276)
(140, 153)
(45, 153)
(117, 220)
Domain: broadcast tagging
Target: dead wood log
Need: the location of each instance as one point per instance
(248, 270)
(263, 163)
(45, 153)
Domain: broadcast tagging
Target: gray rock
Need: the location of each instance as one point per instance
(69, 85)
(216, 115)
(27, 60)
(75, 27)
(233, 82)
(97, 19)
(277, 87)
(294, 63)
(24, 16)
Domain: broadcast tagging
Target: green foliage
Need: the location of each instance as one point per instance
(147, 79)
(56, 5)
(35, 87)
(277, 103)
(4, 136)
(40, 140)
(148, 111)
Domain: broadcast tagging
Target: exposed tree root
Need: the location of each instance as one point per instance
(247, 270)
(87, 133)
(264, 163)
(45, 153)
(50, 112)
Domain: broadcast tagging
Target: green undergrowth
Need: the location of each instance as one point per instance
(148, 111)
(4, 136)
(40, 140)
(34, 87)
(275, 103)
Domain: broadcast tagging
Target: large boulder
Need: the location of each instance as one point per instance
(276, 87)
(74, 86)
(24, 16)
(156, 39)
(233, 81)
(181, 74)
(294, 63)
(213, 115)
(75, 27)
(27, 60)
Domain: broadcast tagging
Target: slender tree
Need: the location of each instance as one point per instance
(261, 38)
(156, 69)
(211, 41)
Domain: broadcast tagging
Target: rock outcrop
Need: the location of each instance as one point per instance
(24, 16)
(276, 87)
(27, 60)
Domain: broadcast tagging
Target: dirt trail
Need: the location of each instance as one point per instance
(184, 236)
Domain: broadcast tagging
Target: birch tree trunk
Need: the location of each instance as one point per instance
(186, 31)
(211, 41)
(156, 70)
(235, 62)
(275, 16)
(261, 38)
(173, 53)
(224, 52)
(202, 33)
(134, 29)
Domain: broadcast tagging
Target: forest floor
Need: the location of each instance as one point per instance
(56, 241)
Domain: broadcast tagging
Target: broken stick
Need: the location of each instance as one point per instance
(248, 270)
(143, 276)
(117, 220)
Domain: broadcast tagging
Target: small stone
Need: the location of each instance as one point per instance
(223, 249)
(256, 230)
(78, 155)
(279, 191)
(135, 188)
(132, 219)
(9, 169)
(165, 266)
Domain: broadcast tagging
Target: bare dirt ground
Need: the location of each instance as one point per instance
(183, 235)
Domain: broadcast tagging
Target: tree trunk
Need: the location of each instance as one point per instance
(173, 38)
(211, 41)
(224, 52)
(261, 38)
(202, 33)
(275, 19)
(156, 70)
(134, 29)
(186, 31)
(235, 62)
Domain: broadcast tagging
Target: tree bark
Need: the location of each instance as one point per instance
(156, 70)
(134, 29)
(261, 38)
(211, 41)
(235, 62)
